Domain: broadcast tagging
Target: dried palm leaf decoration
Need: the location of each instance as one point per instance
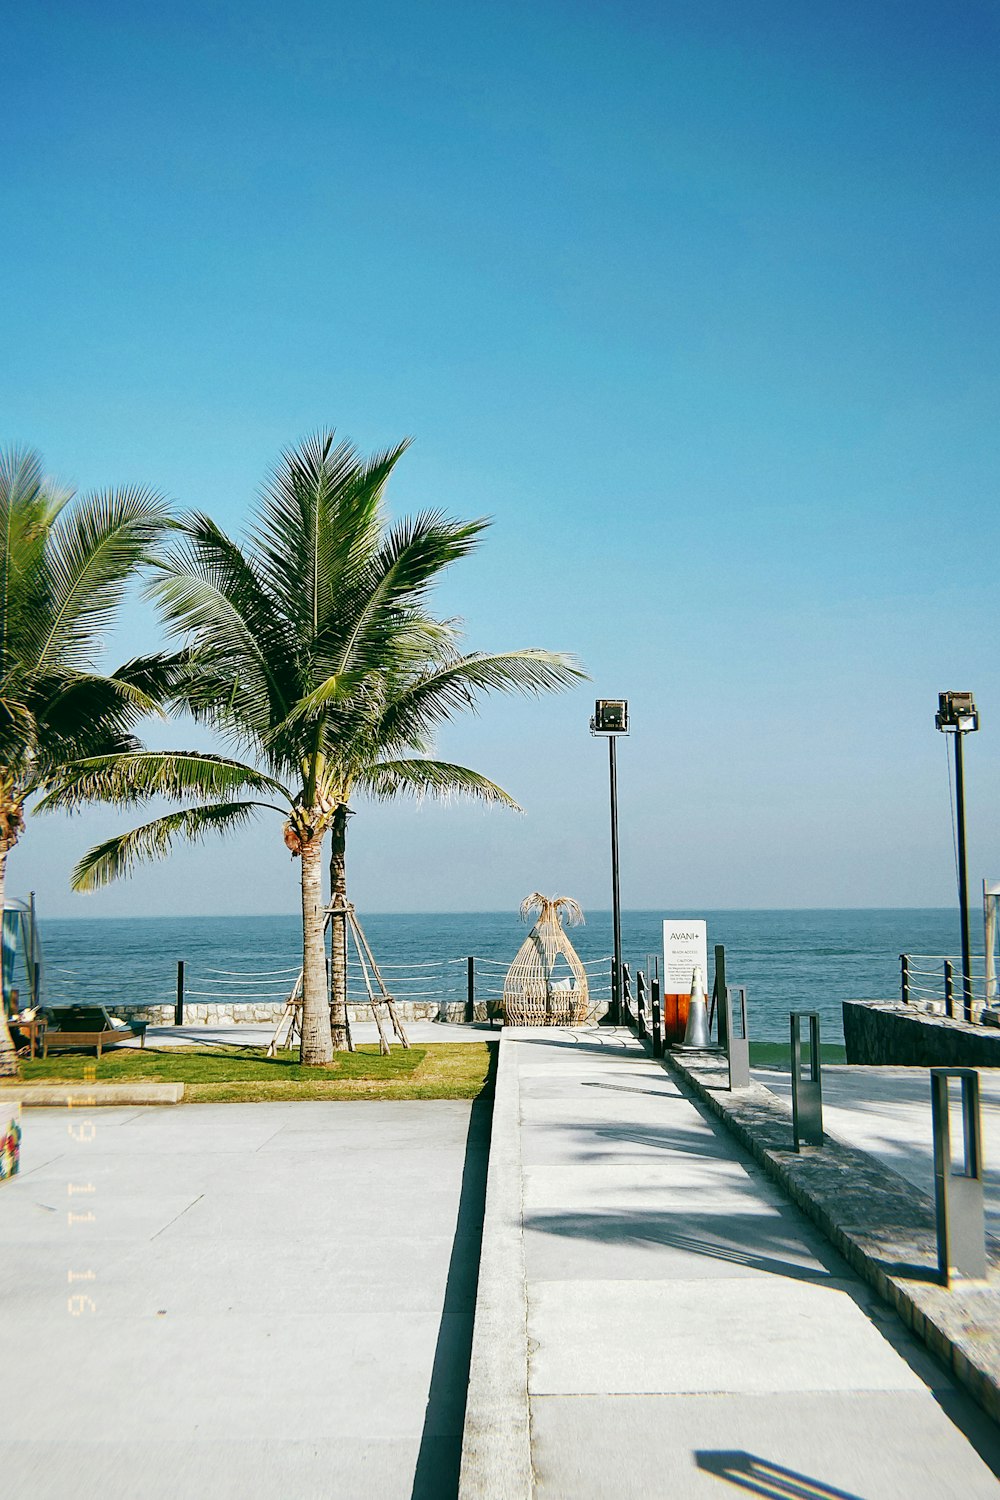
(532, 996)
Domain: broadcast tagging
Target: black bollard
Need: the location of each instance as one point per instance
(961, 1223)
(737, 1036)
(807, 1093)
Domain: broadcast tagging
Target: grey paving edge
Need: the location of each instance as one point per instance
(89, 1095)
(496, 1441)
(880, 1223)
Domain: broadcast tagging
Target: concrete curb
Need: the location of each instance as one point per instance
(90, 1095)
(882, 1225)
(496, 1442)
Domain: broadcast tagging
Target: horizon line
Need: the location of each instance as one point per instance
(675, 912)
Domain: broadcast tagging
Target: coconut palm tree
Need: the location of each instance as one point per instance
(311, 651)
(63, 570)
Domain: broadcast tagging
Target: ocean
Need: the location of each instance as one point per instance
(788, 960)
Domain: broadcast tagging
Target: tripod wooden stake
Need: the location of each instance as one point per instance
(290, 1021)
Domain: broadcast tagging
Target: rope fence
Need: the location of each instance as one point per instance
(935, 982)
(470, 980)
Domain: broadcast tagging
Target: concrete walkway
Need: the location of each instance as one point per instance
(688, 1331)
(248, 1302)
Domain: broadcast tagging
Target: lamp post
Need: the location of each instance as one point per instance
(611, 719)
(957, 715)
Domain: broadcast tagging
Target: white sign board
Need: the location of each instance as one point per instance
(685, 947)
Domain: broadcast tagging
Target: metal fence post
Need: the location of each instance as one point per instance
(958, 1196)
(737, 1041)
(179, 1003)
(719, 992)
(470, 995)
(949, 989)
(807, 1093)
(904, 977)
(640, 1003)
(626, 995)
(657, 1021)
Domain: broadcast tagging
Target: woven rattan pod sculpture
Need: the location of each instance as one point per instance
(533, 994)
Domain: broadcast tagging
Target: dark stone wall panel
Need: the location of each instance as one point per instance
(895, 1035)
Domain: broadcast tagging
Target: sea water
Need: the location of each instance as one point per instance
(788, 960)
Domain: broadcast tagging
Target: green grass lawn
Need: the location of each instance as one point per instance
(244, 1074)
(779, 1054)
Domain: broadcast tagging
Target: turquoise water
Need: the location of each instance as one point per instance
(787, 959)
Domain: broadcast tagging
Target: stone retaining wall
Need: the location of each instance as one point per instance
(268, 1013)
(888, 1033)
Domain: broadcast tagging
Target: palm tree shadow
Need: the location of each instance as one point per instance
(760, 1476)
(440, 1455)
(775, 1242)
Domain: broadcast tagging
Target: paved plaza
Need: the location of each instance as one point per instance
(280, 1305)
(276, 1300)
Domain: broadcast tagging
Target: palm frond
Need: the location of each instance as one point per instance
(438, 695)
(118, 856)
(411, 558)
(91, 553)
(334, 690)
(133, 778)
(319, 524)
(422, 777)
(29, 506)
(215, 596)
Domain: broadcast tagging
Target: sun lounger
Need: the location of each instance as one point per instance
(61, 1040)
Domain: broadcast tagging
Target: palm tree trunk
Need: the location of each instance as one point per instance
(316, 1049)
(338, 932)
(8, 1053)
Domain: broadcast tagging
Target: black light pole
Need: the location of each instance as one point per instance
(957, 715)
(616, 905)
(611, 718)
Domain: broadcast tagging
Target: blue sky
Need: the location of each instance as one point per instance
(697, 301)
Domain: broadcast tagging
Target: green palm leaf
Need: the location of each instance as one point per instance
(119, 856)
(128, 779)
(436, 696)
(92, 552)
(423, 777)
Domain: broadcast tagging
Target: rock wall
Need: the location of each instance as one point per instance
(889, 1033)
(266, 1013)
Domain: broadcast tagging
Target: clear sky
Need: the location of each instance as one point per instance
(697, 300)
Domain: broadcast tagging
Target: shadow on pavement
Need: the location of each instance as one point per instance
(761, 1477)
(440, 1455)
(775, 1238)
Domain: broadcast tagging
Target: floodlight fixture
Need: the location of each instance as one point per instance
(611, 720)
(957, 713)
(610, 716)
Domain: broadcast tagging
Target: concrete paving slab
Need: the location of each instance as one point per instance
(422, 1209)
(660, 1245)
(681, 1179)
(242, 1375)
(408, 1272)
(224, 1469)
(548, 1142)
(868, 1445)
(324, 1357)
(710, 1335)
